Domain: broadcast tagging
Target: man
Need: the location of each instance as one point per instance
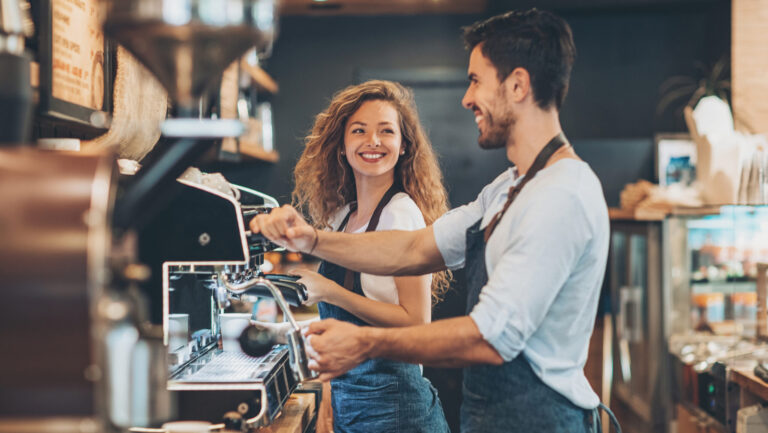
(534, 242)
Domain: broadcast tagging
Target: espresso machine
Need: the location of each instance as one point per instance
(208, 261)
(94, 279)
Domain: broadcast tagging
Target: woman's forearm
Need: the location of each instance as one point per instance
(373, 312)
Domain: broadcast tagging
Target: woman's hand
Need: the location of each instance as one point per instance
(278, 330)
(319, 288)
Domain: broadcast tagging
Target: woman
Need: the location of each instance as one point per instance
(368, 165)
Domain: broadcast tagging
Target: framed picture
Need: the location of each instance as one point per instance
(675, 159)
(75, 62)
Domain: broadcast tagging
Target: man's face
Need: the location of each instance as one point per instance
(487, 99)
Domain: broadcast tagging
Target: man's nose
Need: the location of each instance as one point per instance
(467, 101)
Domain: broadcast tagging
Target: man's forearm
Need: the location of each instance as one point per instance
(445, 343)
(382, 253)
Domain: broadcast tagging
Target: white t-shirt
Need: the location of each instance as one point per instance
(401, 213)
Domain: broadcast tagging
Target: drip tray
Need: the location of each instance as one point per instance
(233, 370)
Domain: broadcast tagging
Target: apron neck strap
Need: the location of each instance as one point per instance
(541, 160)
(349, 278)
(374, 221)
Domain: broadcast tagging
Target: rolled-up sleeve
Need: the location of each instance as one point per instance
(450, 233)
(539, 255)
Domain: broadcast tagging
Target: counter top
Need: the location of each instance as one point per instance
(747, 380)
(297, 414)
(655, 214)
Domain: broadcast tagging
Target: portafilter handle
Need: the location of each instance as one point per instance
(296, 343)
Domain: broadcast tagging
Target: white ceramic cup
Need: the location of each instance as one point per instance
(178, 331)
(232, 325)
(187, 427)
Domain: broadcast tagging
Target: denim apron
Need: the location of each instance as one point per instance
(379, 395)
(510, 398)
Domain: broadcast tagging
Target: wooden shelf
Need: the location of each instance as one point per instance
(615, 214)
(641, 214)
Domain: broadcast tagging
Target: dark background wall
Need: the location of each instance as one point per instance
(624, 54)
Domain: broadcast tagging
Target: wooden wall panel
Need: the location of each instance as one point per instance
(750, 65)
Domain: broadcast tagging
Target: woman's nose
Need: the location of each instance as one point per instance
(375, 140)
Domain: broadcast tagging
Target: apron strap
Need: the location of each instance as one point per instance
(597, 426)
(349, 278)
(541, 160)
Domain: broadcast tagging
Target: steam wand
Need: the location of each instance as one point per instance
(262, 337)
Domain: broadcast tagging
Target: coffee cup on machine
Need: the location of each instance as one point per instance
(232, 325)
(178, 331)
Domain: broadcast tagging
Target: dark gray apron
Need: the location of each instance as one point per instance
(510, 397)
(379, 395)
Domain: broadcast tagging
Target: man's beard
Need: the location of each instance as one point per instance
(497, 133)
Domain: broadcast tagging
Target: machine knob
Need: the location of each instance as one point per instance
(257, 340)
(234, 421)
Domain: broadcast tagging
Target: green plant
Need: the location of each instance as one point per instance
(680, 91)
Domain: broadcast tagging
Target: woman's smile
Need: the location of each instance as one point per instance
(372, 157)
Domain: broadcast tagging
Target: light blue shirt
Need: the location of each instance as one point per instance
(545, 263)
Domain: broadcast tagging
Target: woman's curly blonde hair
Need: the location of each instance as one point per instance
(324, 179)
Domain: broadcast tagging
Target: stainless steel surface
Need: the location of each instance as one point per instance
(296, 343)
(299, 360)
(640, 354)
(227, 367)
(242, 288)
(206, 380)
(202, 128)
(187, 44)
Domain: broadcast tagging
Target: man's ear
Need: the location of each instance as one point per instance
(518, 85)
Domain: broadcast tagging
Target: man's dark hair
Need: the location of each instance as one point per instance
(538, 41)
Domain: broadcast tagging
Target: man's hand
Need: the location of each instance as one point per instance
(287, 228)
(336, 347)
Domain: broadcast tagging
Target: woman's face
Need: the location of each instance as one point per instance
(373, 141)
